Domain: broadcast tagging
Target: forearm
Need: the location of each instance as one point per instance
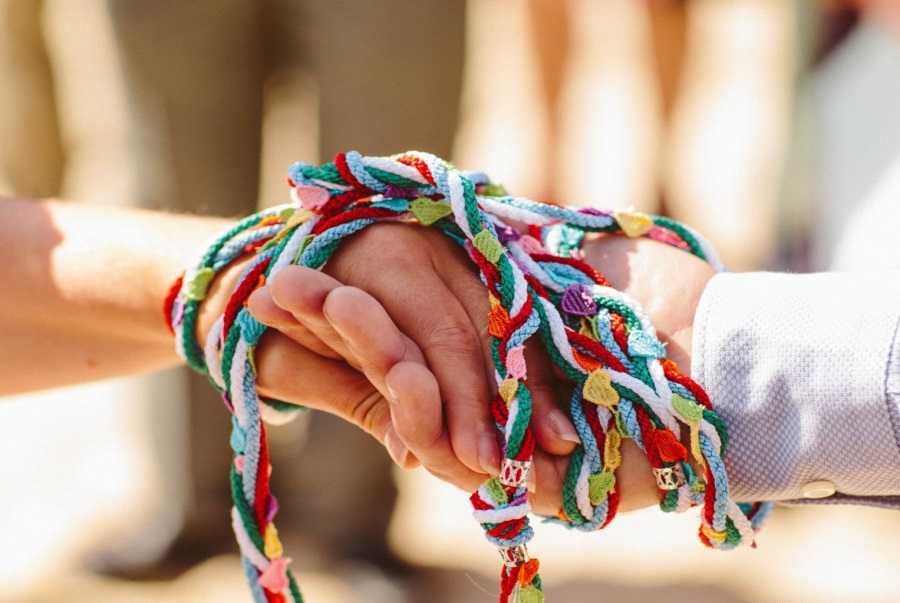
(82, 290)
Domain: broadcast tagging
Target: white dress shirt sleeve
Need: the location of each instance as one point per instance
(805, 372)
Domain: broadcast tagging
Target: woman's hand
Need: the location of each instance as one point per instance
(402, 305)
(418, 335)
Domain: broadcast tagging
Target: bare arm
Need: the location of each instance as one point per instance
(82, 287)
(81, 298)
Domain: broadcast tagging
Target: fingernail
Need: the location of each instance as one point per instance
(269, 320)
(489, 454)
(392, 395)
(338, 328)
(562, 427)
(395, 447)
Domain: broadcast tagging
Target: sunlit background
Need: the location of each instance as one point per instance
(763, 123)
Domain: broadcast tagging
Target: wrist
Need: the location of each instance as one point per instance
(644, 269)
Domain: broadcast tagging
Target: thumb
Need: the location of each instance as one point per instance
(550, 423)
(328, 385)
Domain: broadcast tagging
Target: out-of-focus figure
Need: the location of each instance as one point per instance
(851, 96)
(674, 106)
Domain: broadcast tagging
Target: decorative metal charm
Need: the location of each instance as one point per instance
(514, 473)
(670, 478)
(514, 556)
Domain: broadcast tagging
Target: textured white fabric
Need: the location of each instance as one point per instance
(805, 371)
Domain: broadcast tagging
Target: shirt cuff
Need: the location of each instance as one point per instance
(803, 369)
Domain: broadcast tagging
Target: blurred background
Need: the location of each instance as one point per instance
(763, 123)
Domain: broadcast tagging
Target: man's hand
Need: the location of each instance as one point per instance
(667, 282)
(413, 322)
(426, 397)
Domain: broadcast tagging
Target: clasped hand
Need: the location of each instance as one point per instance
(392, 336)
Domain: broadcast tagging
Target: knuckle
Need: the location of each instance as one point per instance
(370, 412)
(483, 333)
(452, 337)
(354, 261)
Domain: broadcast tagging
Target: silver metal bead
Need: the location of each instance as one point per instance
(514, 473)
(514, 556)
(670, 478)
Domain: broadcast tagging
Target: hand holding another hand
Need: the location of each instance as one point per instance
(409, 313)
(395, 339)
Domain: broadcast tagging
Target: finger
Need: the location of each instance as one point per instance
(431, 314)
(453, 349)
(264, 309)
(368, 333)
(445, 337)
(302, 292)
(460, 278)
(372, 338)
(553, 429)
(634, 481)
(548, 474)
(417, 416)
(288, 372)
(400, 452)
(386, 353)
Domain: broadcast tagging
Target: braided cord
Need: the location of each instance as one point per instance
(537, 285)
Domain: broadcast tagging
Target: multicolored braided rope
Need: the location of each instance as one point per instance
(537, 285)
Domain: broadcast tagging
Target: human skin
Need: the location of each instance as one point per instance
(364, 311)
(81, 300)
(82, 287)
(81, 296)
(394, 342)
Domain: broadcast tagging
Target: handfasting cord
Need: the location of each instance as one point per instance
(537, 285)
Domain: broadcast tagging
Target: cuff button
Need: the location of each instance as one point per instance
(818, 489)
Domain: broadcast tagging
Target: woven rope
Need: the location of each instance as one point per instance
(537, 287)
